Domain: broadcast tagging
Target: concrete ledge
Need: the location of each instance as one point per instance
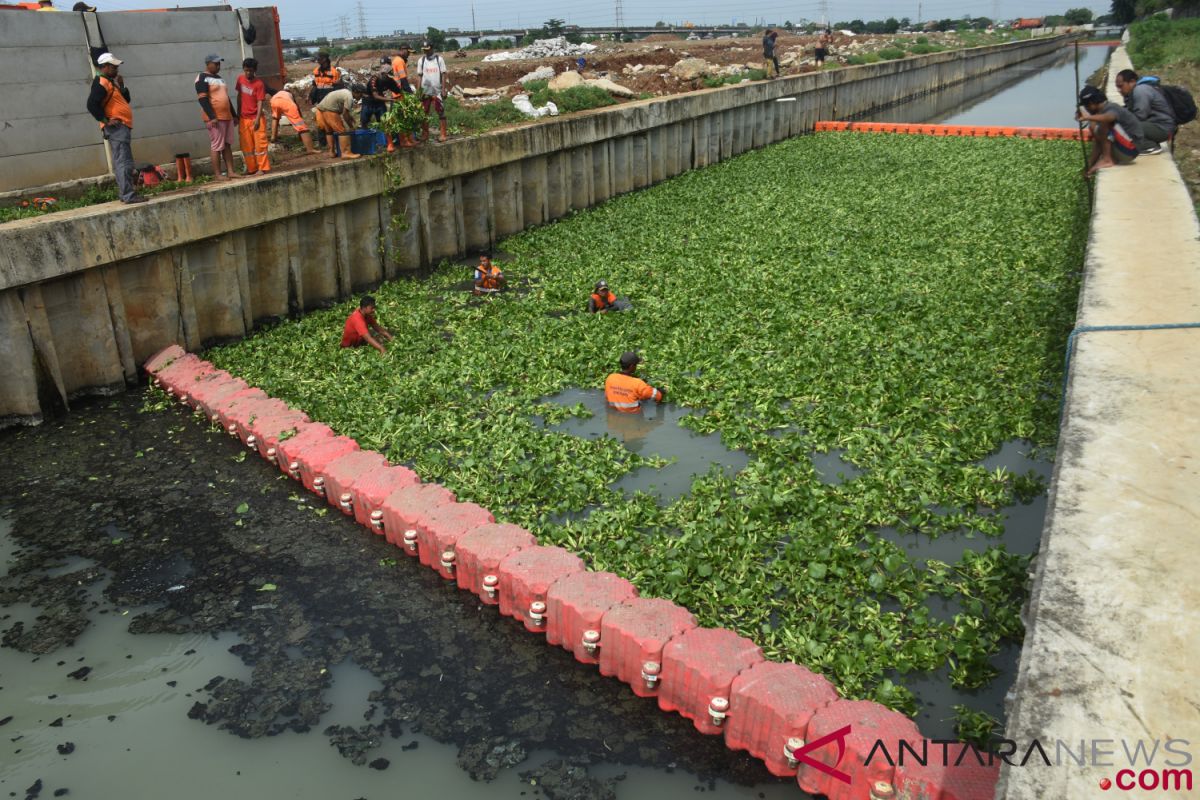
(1113, 638)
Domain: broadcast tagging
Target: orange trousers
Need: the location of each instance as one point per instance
(254, 145)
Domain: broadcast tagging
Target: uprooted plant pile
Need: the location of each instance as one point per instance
(905, 300)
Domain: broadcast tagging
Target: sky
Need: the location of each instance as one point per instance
(313, 18)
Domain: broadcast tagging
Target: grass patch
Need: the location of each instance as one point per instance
(915, 322)
(1159, 42)
(891, 53)
(713, 81)
(473, 119)
(94, 196)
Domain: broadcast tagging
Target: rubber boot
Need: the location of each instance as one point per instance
(442, 130)
(332, 139)
(344, 139)
(391, 148)
(406, 140)
(306, 139)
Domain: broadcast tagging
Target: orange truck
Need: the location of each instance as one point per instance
(1026, 23)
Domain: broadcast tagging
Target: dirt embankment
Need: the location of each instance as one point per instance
(160, 500)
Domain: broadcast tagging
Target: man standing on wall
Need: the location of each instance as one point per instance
(431, 72)
(1150, 107)
(217, 112)
(769, 53)
(284, 105)
(823, 43)
(326, 78)
(252, 118)
(334, 116)
(109, 104)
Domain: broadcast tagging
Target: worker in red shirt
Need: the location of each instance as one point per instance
(359, 325)
(624, 391)
(251, 94)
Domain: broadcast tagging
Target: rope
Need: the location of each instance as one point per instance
(1093, 328)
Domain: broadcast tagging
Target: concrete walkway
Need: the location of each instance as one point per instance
(1112, 651)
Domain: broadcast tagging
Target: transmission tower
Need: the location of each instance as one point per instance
(362, 21)
(344, 22)
(620, 15)
(824, 13)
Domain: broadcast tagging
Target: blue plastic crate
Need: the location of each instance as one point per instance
(367, 142)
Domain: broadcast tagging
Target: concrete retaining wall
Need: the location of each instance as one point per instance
(86, 295)
(51, 137)
(1113, 626)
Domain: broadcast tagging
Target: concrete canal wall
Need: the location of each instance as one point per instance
(87, 295)
(1113, 628)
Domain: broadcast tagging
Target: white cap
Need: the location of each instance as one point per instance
(109, 58)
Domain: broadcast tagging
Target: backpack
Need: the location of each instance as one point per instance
(1183, 105)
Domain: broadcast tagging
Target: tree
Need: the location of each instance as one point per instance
(857, 26)
(660, 24)
(1123, 11)
(1078, 16)
(437, 38)
(787, 25)
(554, 27)
(905, 22)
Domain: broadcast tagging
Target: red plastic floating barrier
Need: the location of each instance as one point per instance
(855, 725)
(288, 450)
(480, 552)
(943, 780)
(315, 459)
(177, 376)
(403, 506)
(243, 415)
(525, 578)
(698, 668)
(576, 606)
(221, 409)
(213, 388)
(634, 635)
(343, 473)
(439, 531)
(162, 358)
(373, 488)
(770, 706)
(266, 430)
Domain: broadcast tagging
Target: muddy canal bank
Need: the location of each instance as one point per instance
(145, 550)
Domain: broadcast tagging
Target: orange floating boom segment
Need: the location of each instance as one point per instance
(1006, 131)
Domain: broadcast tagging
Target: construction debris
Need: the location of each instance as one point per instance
(557, 47)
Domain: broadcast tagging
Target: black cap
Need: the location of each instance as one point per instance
(630, 359)
(1090, 94)
(601, 284)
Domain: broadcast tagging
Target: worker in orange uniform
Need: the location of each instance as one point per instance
(217, 111)
(251, 94)
(284, 105)
(108, 102)
(335, 117)
(359, 325)
(488, 277)
(603, 300)
(326, 78)
(400, 76)
(624, 391)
